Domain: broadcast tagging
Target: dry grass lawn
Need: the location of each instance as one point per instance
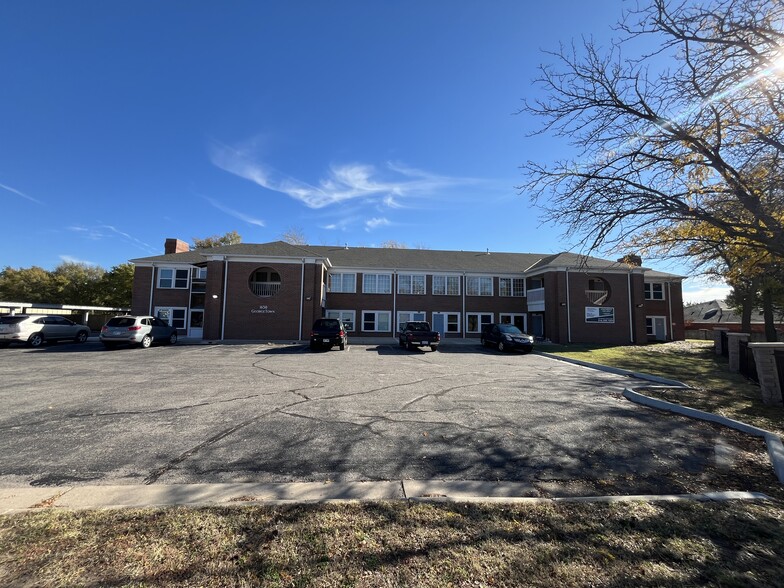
(400, 544)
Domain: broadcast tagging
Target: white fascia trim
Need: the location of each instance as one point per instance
(262, 259)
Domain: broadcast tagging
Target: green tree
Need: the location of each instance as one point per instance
(116, 286)
(33, 284)
(77, 283)
(230, 238)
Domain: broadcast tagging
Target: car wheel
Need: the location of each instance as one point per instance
(4, 344)
(173, 338)
(400, 343)
(81, 337)
(146, 342)
(342, 346)
(313, 347)
(501, 346)
(434, 348)
(35, 340)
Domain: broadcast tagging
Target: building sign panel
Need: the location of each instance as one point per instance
(600, 314)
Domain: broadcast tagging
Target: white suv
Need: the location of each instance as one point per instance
(37, 329)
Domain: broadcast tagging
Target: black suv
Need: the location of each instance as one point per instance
(327, 332)
(506, 337)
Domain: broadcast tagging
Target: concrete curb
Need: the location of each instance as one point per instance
(773, 441)
(74, 498)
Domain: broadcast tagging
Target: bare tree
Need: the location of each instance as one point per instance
(661, 144)
(392, 244)
(294, 236)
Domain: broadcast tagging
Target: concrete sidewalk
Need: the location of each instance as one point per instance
(32, 499)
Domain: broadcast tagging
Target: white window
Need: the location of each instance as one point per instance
(654, 291)
(171, 315)
(452, 322)
(199, 274)
(377, 284)
(410, 284)
(169, 277)
(347, 316)
(446, 285)
(479, 286)
(340, 282)
(513, 318)
(649, 326)
(511, 286)
(404, 317)
(376, 321)
(476, 320)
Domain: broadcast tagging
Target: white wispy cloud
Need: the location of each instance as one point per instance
(19, 193)
(343, 183)
(71, 259)
(374, 223)
(104, 231)
(235, 213)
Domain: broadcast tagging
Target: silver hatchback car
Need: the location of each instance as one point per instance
(35, 330)
(137, 330)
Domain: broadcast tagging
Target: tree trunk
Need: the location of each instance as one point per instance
(767, 313)
(749, 298)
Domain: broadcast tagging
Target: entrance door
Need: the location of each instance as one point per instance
(537, 325)
(659, 328)
(438, 324)
(196, 325)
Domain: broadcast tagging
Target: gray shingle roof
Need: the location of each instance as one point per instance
(403, 259)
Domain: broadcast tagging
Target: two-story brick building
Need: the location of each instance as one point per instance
(274, 291)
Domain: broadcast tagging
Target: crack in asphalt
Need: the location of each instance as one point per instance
(156, 474)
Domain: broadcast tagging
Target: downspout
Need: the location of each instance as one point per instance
(568, 310)
(394, 303)
(669, 304)
(152, 285)
(631, 312)
(225, 282)
(301, 298)
(463, 319)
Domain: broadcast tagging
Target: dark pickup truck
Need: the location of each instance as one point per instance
(418, 334)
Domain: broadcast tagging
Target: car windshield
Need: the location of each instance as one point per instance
(509, 330)
(11, 320)
(327, 324)
(121, 321)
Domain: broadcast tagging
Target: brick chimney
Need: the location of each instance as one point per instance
(175, 246)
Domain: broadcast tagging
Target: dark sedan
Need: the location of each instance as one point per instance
(506, 337)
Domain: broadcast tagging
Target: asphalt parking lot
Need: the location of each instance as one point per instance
(78, 414)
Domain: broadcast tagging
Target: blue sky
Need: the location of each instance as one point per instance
(124, 123)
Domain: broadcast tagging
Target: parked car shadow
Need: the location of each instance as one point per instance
(64, 347)
(284, 350)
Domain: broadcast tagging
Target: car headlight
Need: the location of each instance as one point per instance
(508, 337)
